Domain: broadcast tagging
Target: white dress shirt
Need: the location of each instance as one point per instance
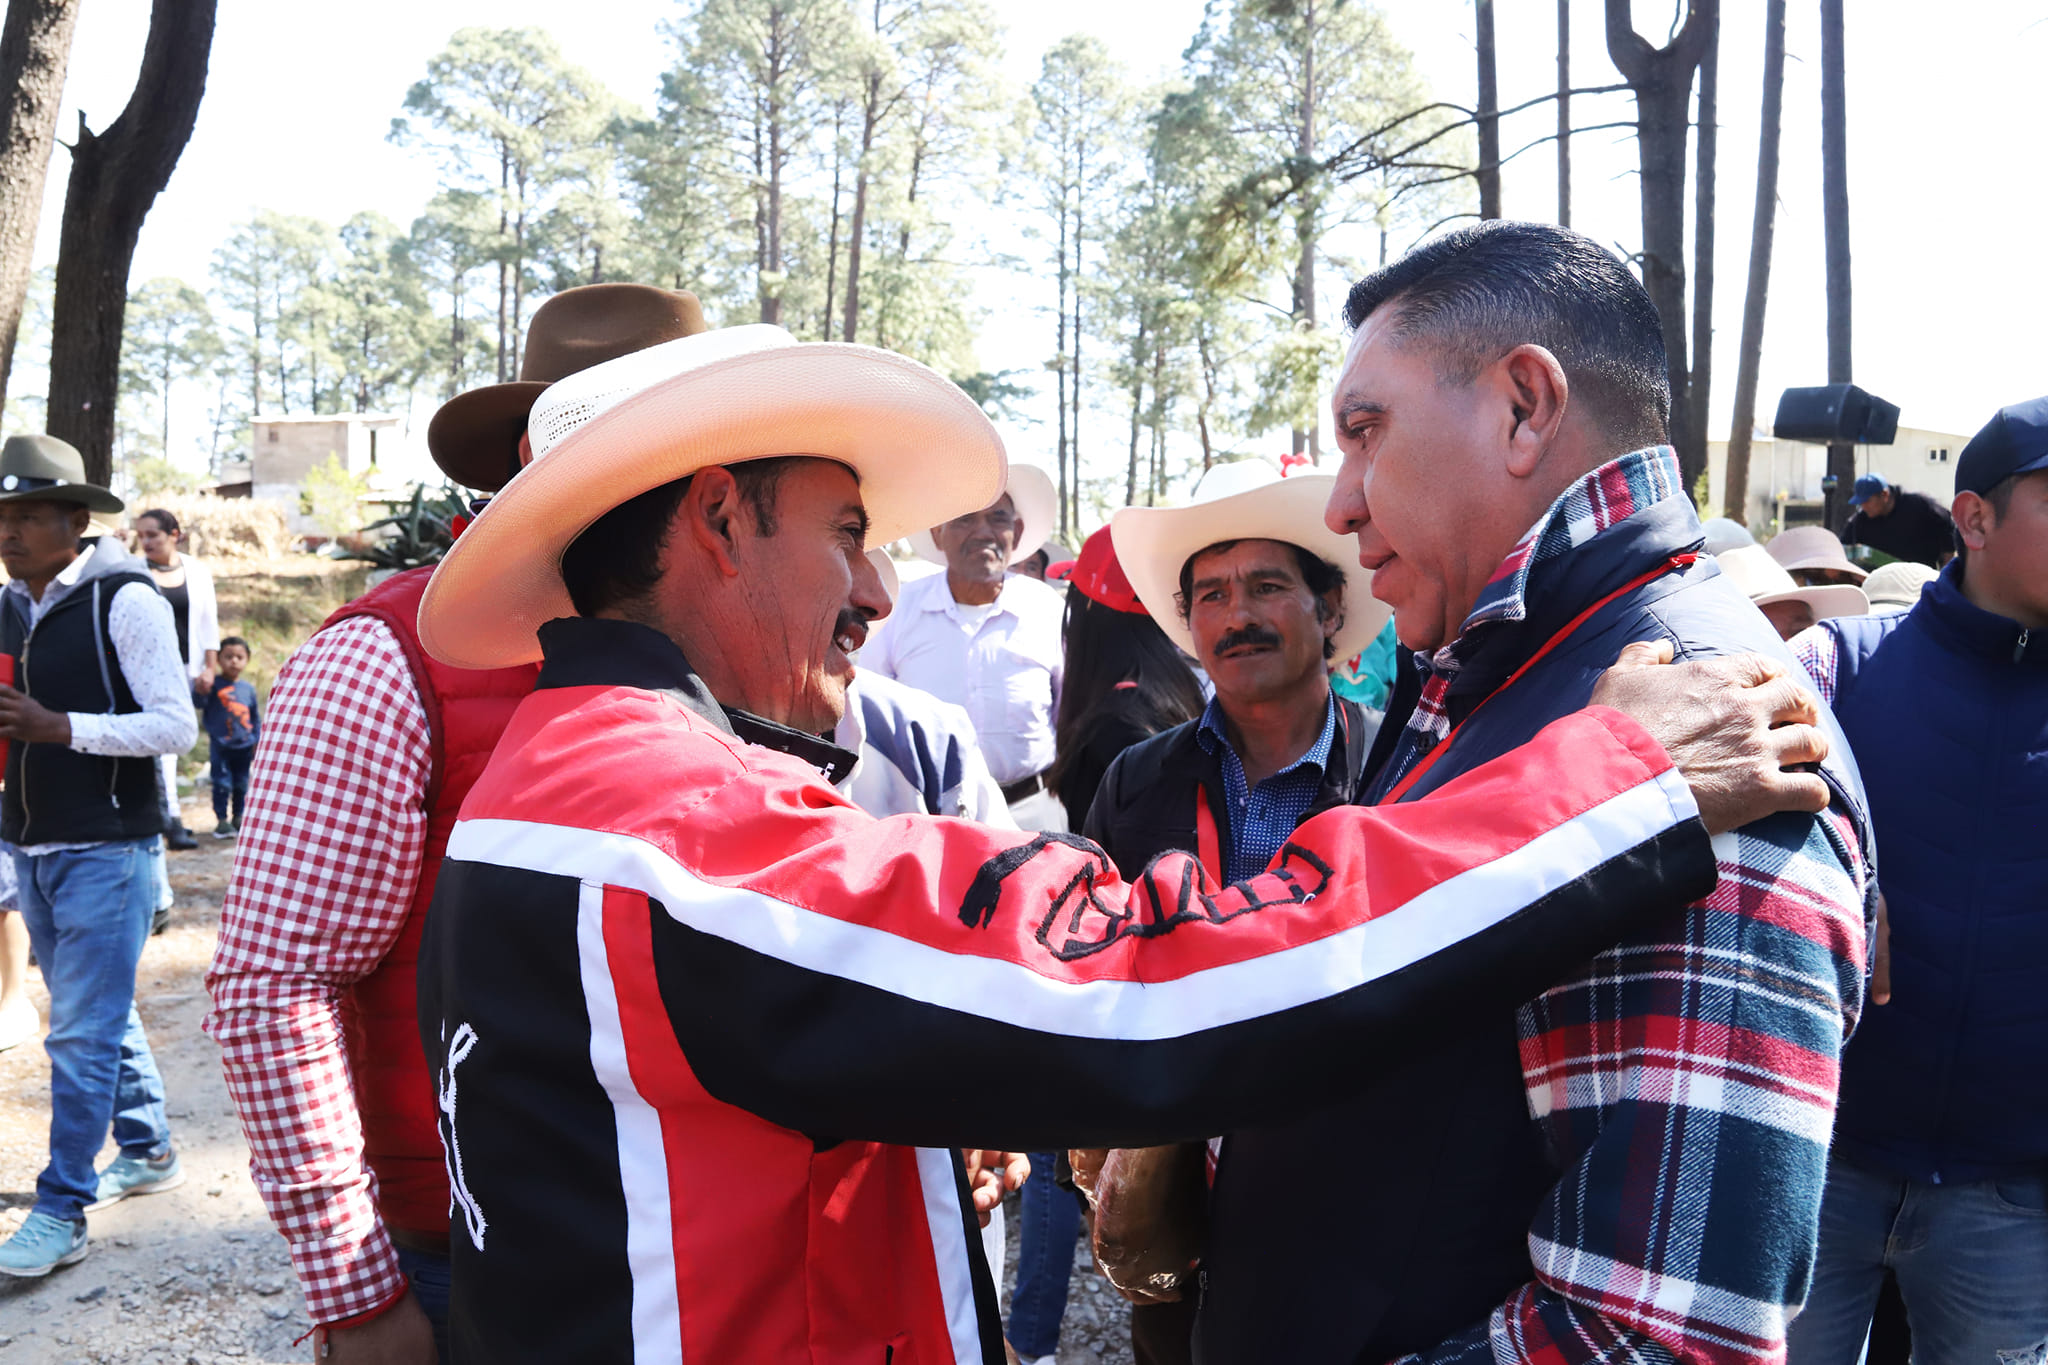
(1002, 664)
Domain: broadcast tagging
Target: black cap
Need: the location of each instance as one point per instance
(2013, 442)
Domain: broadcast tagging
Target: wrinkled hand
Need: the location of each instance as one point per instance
(401, 1335)
(1149, 1219)
(1881, 956)
(1734, 727)
(990, 1175)
(23, 717)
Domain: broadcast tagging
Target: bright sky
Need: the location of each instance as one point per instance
(1944, 133)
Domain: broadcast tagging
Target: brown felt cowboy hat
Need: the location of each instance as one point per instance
(45, 469)
(475, 435)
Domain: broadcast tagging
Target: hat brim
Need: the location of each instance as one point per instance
(81, 494)
(474, 436)
(1030, 488)
(1153, 542)
(1827, 600)
(923, 450)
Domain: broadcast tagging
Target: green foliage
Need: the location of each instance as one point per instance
(419, 535)
(153, 476)
(168, 338)
(333, 498)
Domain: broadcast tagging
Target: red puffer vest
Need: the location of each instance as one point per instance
(467, 709)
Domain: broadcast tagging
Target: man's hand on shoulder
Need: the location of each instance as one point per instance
(400, 1335)
(1735, 728)
(23, 717)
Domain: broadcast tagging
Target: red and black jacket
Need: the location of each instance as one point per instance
(705, 1034)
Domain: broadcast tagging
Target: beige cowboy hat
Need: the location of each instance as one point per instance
(1763, 580)
(722, 397)
(1245, 500)
(1897, 584)
(46, 469)
(474, 436)
(1030, 488)
(1813, 547)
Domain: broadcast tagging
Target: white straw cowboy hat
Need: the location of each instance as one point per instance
(1030, 488)
(1246, 500)
(1763, 580)
(1813, 547)
(923, 450)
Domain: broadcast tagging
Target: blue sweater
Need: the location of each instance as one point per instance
(231, 715)
(1947, 708)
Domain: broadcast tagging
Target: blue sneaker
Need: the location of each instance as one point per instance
(126, 1175)
(41, 1245)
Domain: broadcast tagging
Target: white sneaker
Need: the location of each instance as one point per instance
(19, 1022)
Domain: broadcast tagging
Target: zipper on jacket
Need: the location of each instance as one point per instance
(27, 642)
(2019, 650)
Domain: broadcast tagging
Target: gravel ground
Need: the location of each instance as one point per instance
(196, 1275)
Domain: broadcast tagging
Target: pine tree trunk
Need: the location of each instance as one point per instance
(1661, 79)
(115, 178)
(1488, 112)
(1735, 489)
(1564, 113)
(1305, 439)
(1692, 457)
(35, 49)
(1834, 203)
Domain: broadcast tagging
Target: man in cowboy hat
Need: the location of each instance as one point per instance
(1629, 1163)
(368, 749)
(1785, 603)
(1245, 578)
(696, 1020)
(83, 810)
(988, 639)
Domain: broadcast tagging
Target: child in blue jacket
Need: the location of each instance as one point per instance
(232, 724)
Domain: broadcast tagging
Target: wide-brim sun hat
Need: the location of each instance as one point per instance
(1030, 488)
(1764, 581)
(43, 468)
(474, 436)
(1897, 584)
(923, 450)
(1244, 500)
(1813, 547)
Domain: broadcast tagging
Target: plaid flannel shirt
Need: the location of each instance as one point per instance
(325, 871)
(1685, 1080)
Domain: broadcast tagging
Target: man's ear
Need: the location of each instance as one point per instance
(1974, 517)
(1538, 395)
(711, 512)
(81, 518)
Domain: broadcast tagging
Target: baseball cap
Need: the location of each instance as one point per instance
(2014, 441)
(1867, 487)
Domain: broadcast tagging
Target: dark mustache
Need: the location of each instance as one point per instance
(1249, 635)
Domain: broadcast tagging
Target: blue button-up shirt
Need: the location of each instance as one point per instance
(1263, 817)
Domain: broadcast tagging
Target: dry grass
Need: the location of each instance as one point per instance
(228, 529)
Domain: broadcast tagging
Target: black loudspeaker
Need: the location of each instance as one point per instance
(1836, 412)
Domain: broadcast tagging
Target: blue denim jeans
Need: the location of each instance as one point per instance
(88, 913)
(1971, 1260)
(1048, 1224)
(429, 1275)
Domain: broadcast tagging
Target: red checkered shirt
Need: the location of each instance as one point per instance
(1685, 1081)
(324, 874)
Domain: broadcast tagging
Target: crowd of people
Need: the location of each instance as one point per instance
(671, 928)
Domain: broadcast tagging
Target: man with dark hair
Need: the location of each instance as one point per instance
(1905, 525)
(99, 692)
(1631, 1163)
(1240, 578)
(1939, 1172)
(692, 1014)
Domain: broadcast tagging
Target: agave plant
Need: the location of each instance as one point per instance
(419, 535)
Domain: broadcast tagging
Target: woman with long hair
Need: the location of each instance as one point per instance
(1124, 682)
(188, 586)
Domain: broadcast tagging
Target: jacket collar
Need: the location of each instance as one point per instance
(1606, 529)
(1190, 760)
(586, 651)
(1944, 610)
